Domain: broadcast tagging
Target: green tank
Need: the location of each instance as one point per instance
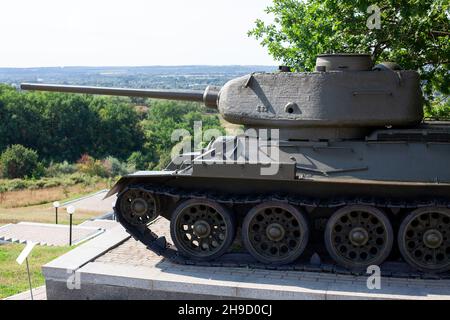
(334, 167)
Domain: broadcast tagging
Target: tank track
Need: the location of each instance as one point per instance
(161, 247)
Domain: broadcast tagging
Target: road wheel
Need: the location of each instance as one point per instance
(359, 236)
(424, 239)
(275, 233)
(202, 229)
(138, 207)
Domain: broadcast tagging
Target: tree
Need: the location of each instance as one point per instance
(21, 119)
(118, 131)
(18, 162)
(166, 116)
(3, 129)
(58, 126)
(90, 166)
(138, 161)
(65, 126)
(68, 125)
(413, 33)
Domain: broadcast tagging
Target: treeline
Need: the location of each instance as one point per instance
(66, 127)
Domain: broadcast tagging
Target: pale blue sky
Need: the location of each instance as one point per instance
(36, 33)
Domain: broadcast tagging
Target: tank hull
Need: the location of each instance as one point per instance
(320, 189)
(301, 192)
(396, 162)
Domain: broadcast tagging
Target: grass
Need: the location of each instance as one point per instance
(44, 213)
(36, 205)
(13, 277)
(30, 197)
(62, 180)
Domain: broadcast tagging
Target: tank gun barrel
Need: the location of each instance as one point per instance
(209, 96)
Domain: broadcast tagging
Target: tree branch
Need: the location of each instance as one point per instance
(443, 33)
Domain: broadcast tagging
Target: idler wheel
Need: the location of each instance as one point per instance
(202, 230)
(275, 233)
(138, 207)
(424, 239)
(359, 236)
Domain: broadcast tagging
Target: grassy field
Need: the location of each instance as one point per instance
(44, 213)
(36, 205)
(30, 197)
(13, 278)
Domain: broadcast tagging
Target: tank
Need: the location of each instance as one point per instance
(335, 169)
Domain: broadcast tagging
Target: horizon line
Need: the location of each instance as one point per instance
(144, 66)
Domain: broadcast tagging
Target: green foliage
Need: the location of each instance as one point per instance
(118, 132)
(137, 161)
(20, 119)
(57, 169)
(18, 161)
(413, 33)
(108, 168)
(114, 167)
(49, 182)
(92, 167)
(68, 125)
(166, 116)
(438, 109)
(13, 278)
(39, 171)
(65, 126)
(3, 129)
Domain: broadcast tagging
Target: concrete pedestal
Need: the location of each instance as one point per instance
(113, 266)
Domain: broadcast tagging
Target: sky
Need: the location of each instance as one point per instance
(42, 33)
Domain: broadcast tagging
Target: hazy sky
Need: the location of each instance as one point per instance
(129, 32)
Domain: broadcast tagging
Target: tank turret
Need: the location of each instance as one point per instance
(343, 99)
